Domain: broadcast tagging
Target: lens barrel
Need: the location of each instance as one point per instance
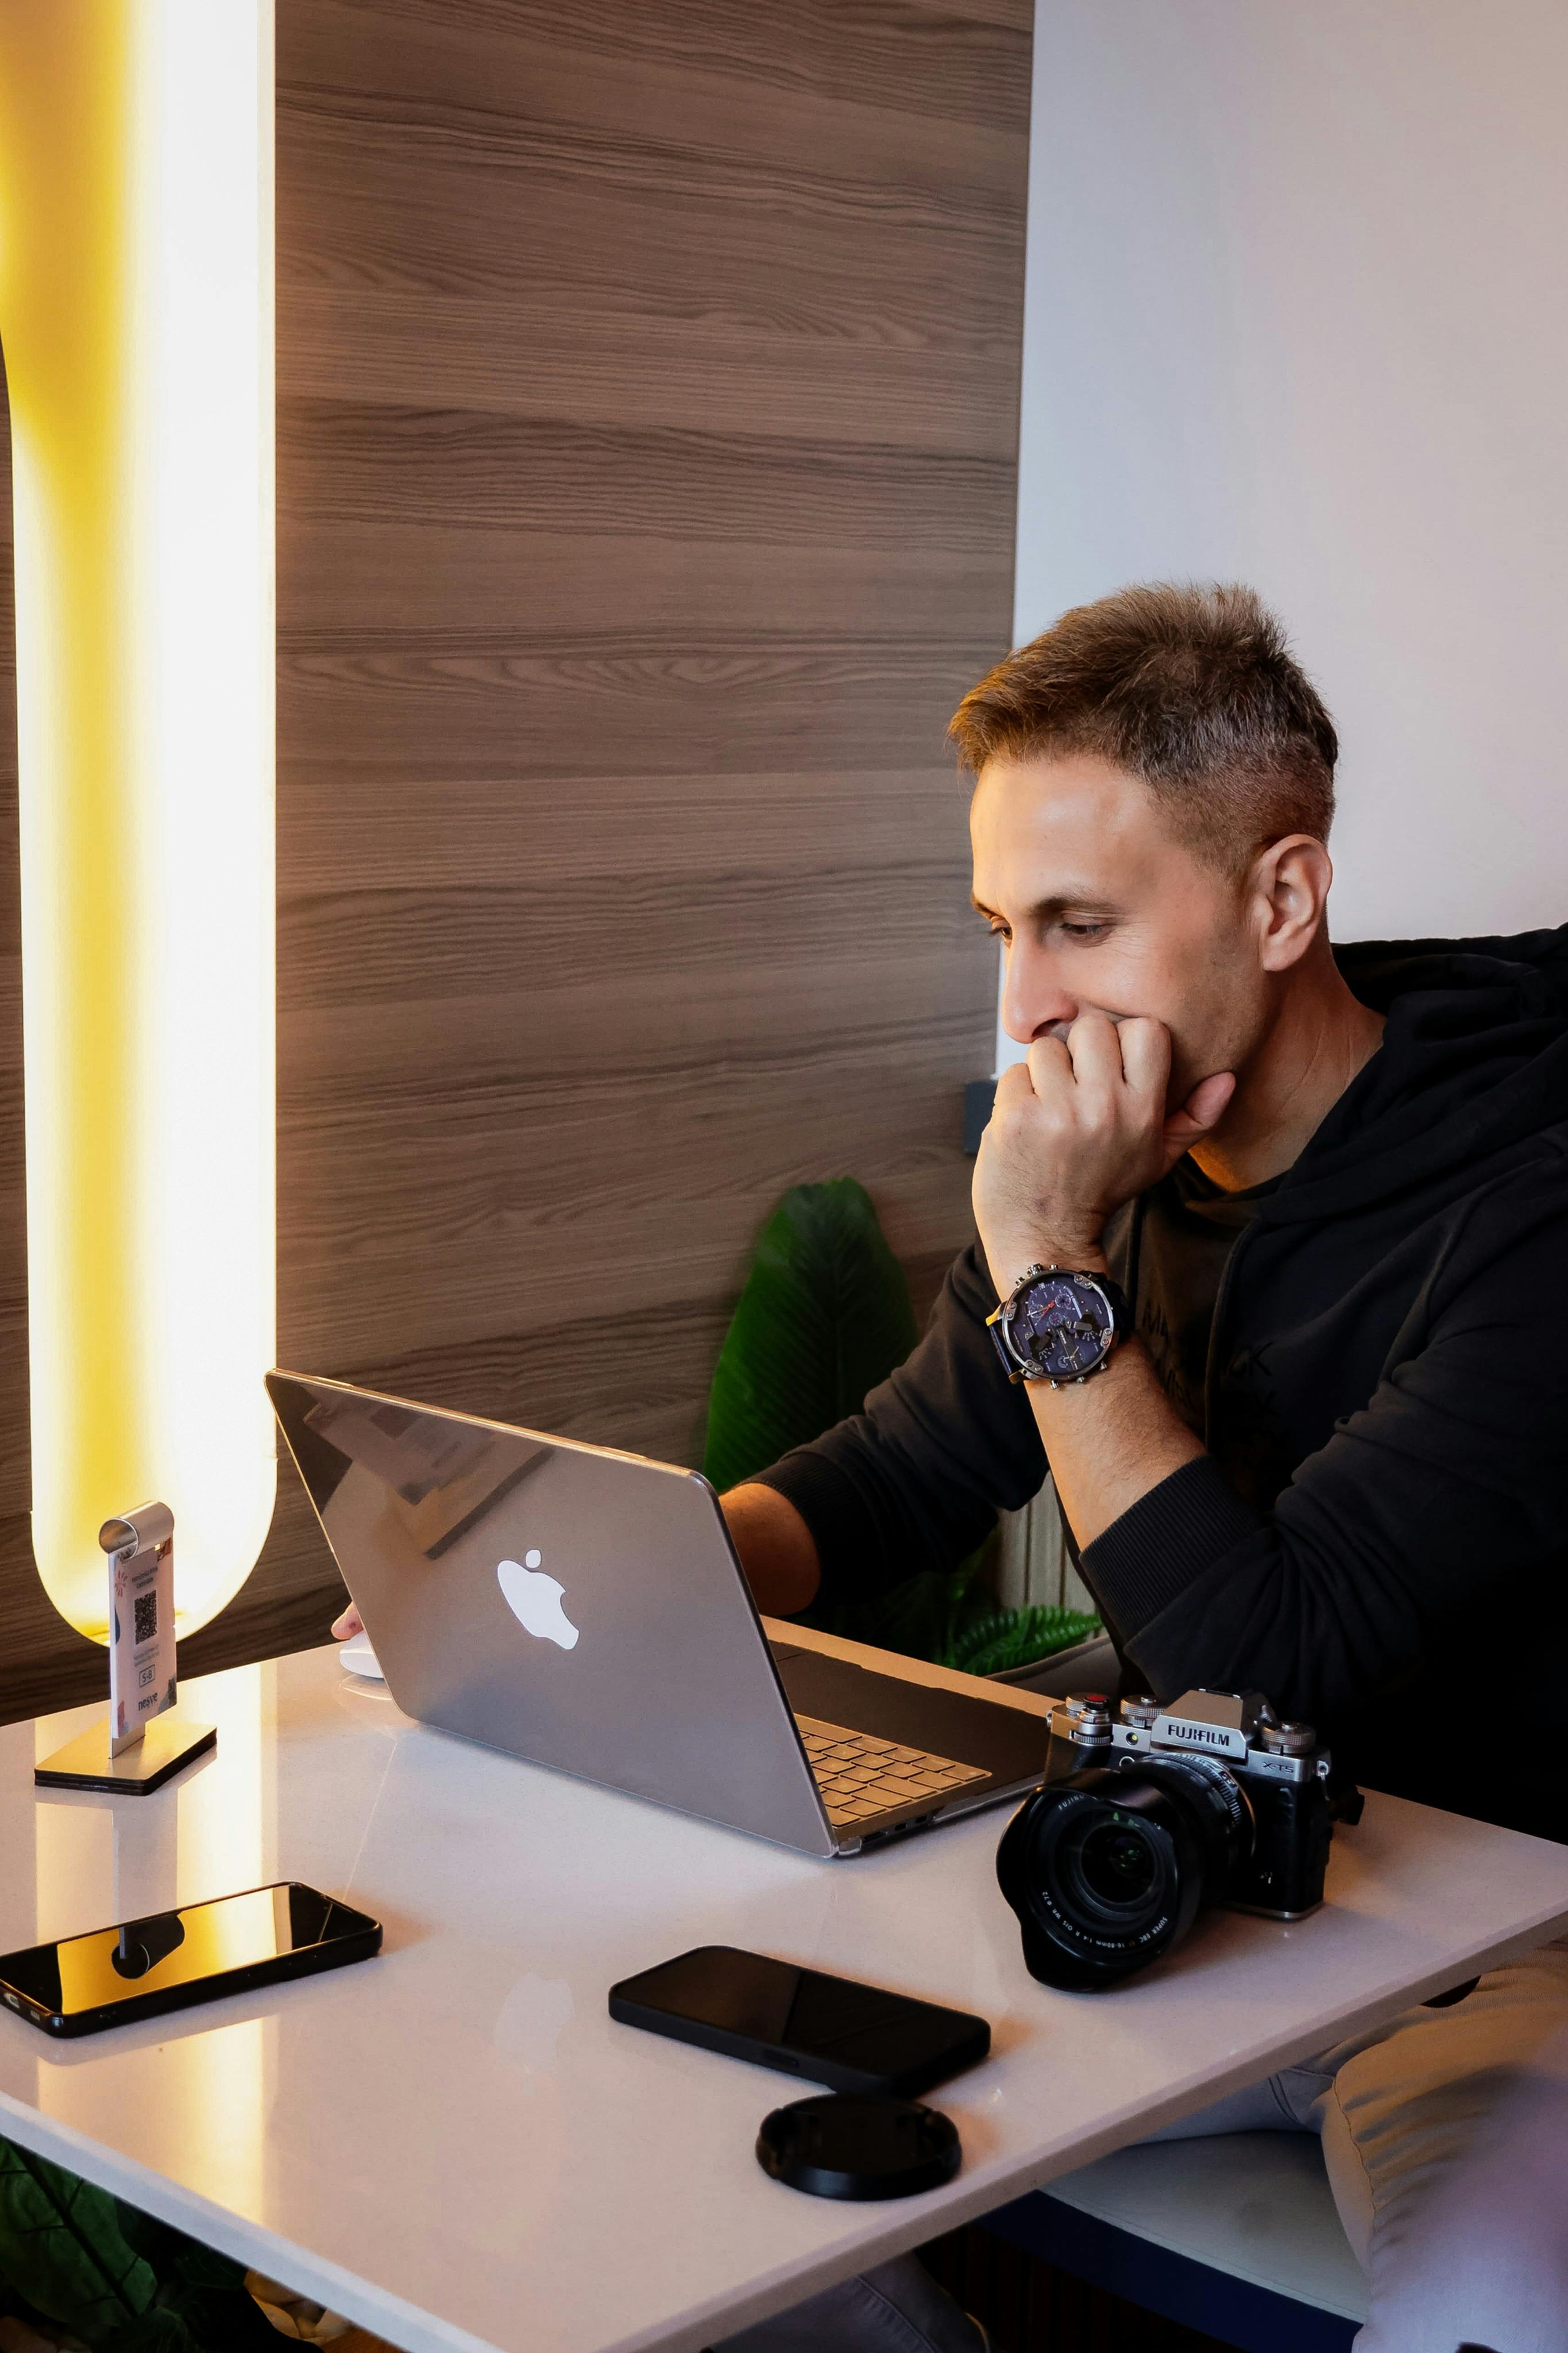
(1108, 1869)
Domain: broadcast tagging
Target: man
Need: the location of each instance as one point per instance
(1327, 1456)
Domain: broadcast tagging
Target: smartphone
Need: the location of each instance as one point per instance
(174, 1959)
(853, 2038)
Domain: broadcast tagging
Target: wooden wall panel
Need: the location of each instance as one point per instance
(648, 388)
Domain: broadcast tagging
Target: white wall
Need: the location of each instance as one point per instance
(1298, 314)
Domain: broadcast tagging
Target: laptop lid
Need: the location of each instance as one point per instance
(573, 1606)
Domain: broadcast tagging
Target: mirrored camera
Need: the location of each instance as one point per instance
(1151, 1815)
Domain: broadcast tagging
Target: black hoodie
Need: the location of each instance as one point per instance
(1377, 1537)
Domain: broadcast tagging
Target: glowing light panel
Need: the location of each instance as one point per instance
(136, 326)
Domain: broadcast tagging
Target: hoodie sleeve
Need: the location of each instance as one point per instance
(915, 1479)
(1451, 1479)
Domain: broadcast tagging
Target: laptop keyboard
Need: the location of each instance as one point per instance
(859, 1776)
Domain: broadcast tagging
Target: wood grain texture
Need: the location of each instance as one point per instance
(647, 390)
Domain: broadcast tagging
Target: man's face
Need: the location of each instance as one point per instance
(1103, 907)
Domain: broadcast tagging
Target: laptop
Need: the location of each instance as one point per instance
(585, 1609)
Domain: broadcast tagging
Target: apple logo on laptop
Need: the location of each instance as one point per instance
(535, 1600)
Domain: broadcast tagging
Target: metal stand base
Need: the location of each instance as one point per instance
(165, 1749)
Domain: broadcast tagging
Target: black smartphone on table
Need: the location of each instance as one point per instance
(833, 2030)
(171, 1960)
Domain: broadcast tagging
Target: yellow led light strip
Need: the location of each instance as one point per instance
(136, 328)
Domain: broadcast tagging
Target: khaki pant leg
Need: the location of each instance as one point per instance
(1423, 2124)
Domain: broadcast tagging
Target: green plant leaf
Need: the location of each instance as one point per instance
(62, 2248)
(1017, 1637)
(825, 1315)
(14, 2306)
(202, 2290)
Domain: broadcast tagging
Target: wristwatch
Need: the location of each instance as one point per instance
(1057, 1326)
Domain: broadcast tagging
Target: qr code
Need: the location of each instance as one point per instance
(146, 1617)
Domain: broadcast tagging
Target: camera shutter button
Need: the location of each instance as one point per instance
(1089, 1715)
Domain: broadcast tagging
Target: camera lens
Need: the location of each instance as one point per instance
(1108, 1868)
(1116, 1863)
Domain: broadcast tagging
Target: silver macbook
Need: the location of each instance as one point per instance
(585, 1609)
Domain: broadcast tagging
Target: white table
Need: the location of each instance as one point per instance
(455, 2145)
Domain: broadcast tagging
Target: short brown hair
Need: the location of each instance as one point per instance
(1190, 687)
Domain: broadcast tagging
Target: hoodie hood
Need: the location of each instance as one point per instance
(1474, 1063)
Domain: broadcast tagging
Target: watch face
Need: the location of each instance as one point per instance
(1062, 1327)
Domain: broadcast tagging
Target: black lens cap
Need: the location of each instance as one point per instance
(859, 2145)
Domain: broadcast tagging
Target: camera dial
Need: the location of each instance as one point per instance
(1289, 1739)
